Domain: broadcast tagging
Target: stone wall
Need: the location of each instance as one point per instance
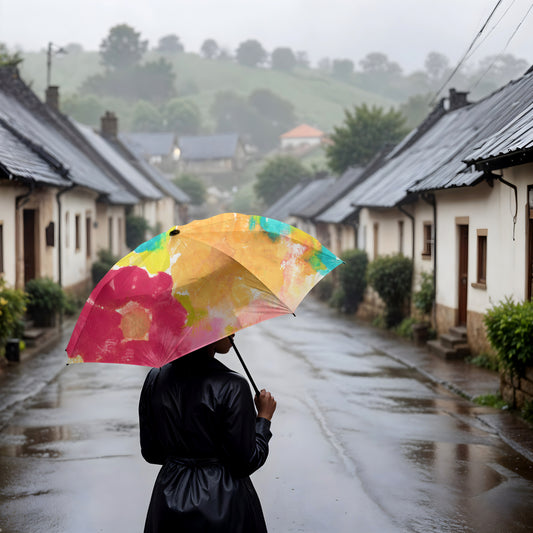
(517, 390)
(371, 307)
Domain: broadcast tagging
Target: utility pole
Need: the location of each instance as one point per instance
(52, 50)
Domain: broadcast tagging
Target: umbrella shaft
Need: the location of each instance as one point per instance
(245, 368)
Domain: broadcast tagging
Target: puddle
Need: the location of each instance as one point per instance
(17, 441)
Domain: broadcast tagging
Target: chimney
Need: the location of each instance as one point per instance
(52, 97)
(457, 99)
(109, 125)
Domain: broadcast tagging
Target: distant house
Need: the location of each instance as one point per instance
(211, 154)
(158, 148)
(302, 135)
(65, 191)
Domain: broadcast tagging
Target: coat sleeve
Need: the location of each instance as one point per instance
(244, 436)
(150, 447)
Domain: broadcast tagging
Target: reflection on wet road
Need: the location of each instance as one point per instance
(361, 443)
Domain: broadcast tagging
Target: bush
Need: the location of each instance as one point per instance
(510, 330)
(136, 228)
(391, 277)
(352, 280)
(12, 309)
(405, 328)
(100, 268)
(424, 297)
(45, 299)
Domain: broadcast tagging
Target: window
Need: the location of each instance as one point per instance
(88, 236)
(400, 236)
(427, 248)
(77, 224)
(67, 229)
(482, 257)
(1, 247)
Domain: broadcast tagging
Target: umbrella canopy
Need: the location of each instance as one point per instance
(195, 284)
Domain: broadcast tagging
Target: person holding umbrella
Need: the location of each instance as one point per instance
(172, 304)
(197, 419)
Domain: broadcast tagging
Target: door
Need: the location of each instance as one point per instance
(29, 244)
(463, 275)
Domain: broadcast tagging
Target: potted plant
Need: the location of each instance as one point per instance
(423, 303)
(12, 308)
(45, 300)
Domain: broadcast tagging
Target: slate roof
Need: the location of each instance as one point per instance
(150, 144)
(129, 150)
(208, 147)
(338, 189)
(140, 185)
(48, 137)
(298, 198)
(435, 159)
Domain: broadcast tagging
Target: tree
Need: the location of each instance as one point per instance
(146, 117)
(122, 48)
(364, 132)
(8, 59)
(416, 109)
(86, 109)
(170, 44)
(154, 81)
(342, 68)
(437, 66)
(210, 49)
(278, 111)
(182, 117)
(302, 59)
(379, 63)
(283, 59)
(192, 187)
(278, 176)
(251, 54)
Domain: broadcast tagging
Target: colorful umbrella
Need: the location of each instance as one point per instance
(196, 284)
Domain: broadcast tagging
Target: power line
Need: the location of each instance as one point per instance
(462, 60)
(503, 49)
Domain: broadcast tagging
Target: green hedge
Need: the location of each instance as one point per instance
(391, 277)
(352, 281)
(510, 333)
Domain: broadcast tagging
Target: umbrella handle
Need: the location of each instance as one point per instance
(245, 368)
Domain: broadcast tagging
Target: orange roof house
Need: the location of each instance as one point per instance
(301, 135)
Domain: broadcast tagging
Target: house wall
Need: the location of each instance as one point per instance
(78, 251)
(212, 166)
(423, 213)
(110, 229)
(385, 224)
(299, 141)
(166, 213)
(490, 209)
(8, 194)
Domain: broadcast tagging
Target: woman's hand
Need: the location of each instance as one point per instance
(266, 405)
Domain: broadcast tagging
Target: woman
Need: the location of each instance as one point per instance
(198, 420)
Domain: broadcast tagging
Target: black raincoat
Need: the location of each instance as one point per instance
(198, 420)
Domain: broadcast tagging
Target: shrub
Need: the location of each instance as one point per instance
(510, 330)
(136, 228)
(424, 297)
(391, 277)
(12, 309)
(352, 280)
(45, 299)
(100, 268)
(405, 328)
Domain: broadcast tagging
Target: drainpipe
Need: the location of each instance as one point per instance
(430, 199)
(59, 225)
(515, 189)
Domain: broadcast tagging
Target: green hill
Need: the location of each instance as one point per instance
(318, 99)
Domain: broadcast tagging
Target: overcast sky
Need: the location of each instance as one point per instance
(405, 30)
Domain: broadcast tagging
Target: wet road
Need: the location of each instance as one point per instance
(361, 442)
